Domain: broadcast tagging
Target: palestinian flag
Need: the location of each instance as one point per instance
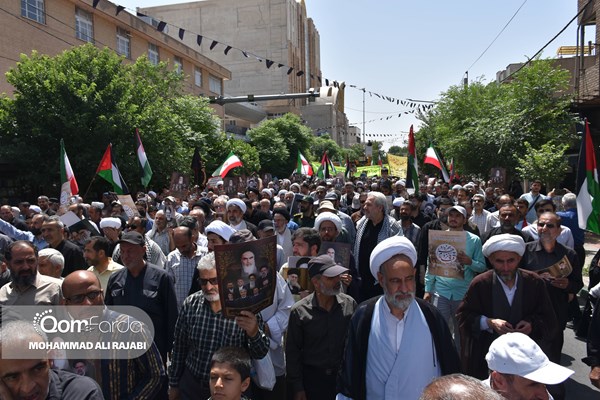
(303, 166)
(66, 172)
(326, 170)
(412, 172)
(588, 198)
(432, 157)
(141, 153)
(109, 171)
(230, 163)
(348, 173)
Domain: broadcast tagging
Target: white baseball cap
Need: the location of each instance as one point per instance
(517, 354)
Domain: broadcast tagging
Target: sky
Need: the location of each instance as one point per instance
(418, 49)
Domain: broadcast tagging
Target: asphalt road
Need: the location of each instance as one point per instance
(578, 385)
(574, 349)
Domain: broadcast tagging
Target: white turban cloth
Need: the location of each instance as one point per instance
(328, 216)
(236, 202)
(220, 228)
(390, 247)
(504, 242)
(110, 222)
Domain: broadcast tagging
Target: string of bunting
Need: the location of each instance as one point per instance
(380, 135)
(385, 118)
(407, 103)
(162, 26)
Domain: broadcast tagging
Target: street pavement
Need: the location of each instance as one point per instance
(574, 349)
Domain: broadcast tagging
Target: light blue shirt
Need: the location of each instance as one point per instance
(452, 288)
(16, 234)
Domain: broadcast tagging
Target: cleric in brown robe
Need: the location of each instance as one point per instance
(505, 299)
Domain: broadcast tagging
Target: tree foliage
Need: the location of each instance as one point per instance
(89, 97)
(482, 125)
(324, 143)
(546, 163)
(278, 141)
(398, 151)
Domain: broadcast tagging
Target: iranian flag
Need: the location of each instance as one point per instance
(109, 171)
(141, 153)
(303, 167)
(432, 157)
(66, 172)
(588, 198)
(230, 163)
(412, 172)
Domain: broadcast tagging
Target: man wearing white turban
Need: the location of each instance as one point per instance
(236, 208)
(387, 331)
(505, 299)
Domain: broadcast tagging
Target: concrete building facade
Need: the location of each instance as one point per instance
(52, 26)
(326, 115)
(277, 31)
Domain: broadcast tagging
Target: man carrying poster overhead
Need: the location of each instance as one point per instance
(455, 257)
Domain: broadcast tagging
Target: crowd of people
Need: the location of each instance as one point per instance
(383, 325)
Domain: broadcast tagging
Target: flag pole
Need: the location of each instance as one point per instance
(89, 186)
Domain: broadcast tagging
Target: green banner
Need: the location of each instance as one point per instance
(371, 170)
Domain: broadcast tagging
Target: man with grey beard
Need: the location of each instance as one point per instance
(388, 330)
(317, 331)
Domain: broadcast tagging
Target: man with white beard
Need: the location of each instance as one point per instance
(248, 265)
(202, 329)
(387, 330)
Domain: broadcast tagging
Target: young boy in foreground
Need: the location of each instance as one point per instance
(229, 374)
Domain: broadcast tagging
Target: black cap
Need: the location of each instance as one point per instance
(331, 196)
(266, 225)
(326, 266)
(132, 237)
(308, 199)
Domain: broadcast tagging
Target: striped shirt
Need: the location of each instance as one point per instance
(182, 268)
(199, 332)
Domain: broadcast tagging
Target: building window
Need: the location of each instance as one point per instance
(214, 84)
(197, 76)
(33, 9)
(84, 25)
(153, 53)
(178, 63)
(123, 45)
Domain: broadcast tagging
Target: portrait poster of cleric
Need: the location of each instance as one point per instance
(444, 247)
(340, 252)
(246, 273)
(296, 275)
(560, 269)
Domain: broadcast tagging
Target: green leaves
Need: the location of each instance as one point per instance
(486, 125)
(277, 142)
(547, 163)
(90, 97)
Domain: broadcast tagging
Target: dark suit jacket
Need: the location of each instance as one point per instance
(486, 297)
